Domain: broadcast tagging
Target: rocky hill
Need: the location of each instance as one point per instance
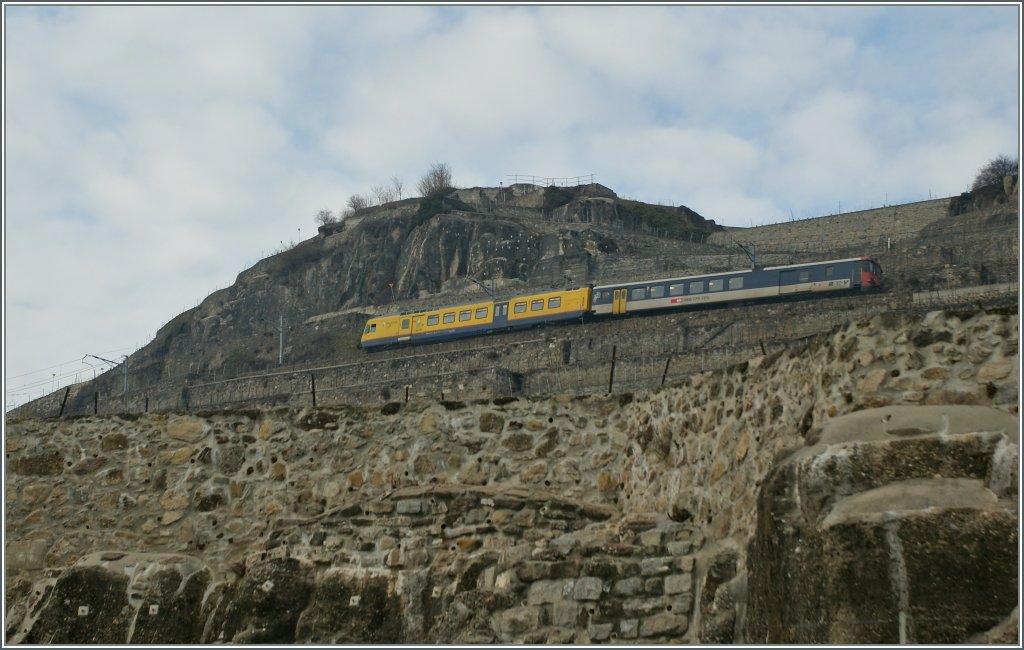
(416, 251)
(420, 253)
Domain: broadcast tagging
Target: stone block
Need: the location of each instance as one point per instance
(655, 565)
(602, 568)
(30, 554)
(679, 548)
(187, 429)
(651, 538)
(600, 631)
(506, 580)
(491, 422)
(526, 518)
(679, 583)
(685, 564)
(517, 621)
(487, 578)
(664, 624)
(643, 606)
(587, 588)
(564, 613)
(533, 571)
(545, 591)
(628, 586)
(628, 628)
(410, 507)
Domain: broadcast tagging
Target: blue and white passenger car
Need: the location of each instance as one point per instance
(854, 274)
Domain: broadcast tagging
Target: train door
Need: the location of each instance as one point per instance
(619, 301)
(794, 281)
(500, 314)
(405, 329)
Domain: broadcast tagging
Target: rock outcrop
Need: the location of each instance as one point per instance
(899, 526)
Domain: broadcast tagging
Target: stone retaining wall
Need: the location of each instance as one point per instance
(511, 520)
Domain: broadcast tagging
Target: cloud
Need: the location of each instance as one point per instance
(154, 152)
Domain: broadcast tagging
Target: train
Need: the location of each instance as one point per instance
(856, 274)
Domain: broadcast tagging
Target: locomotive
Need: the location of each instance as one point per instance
(850, 275)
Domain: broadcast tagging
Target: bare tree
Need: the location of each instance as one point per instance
(437, 181)
(397, 185)
(324, 217)
(383, 194)
(994, 171)
(357, 202)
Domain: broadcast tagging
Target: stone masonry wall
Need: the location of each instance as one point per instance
(510, 520)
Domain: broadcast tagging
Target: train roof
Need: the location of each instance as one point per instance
(479, 303)
(728, 273)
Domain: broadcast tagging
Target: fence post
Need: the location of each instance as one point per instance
(95, 402)
(147, 404)
(611, 375)
(312, 383)
(665, 373)
(64, 401)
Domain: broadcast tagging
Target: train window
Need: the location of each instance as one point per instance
(554, 303)
(405, 323)
(638, 294)
(371, 327)
(697, 287)
(658, 291)
(735, 283)
(432, 319)
(805, 276)
(481, 313)
(536, 305)
(676, 289)
(716, 285)
(519, 308)
(465, 315)
(829, 271)
(599, 296)
(449, 317)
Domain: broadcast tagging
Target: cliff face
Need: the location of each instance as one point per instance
(415, 252)
(858, 489)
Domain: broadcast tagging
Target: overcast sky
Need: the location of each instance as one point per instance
(154, 152)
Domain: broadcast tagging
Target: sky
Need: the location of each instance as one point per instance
(152, 153)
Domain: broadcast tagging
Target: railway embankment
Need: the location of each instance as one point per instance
(578, 359)
(859, 487)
